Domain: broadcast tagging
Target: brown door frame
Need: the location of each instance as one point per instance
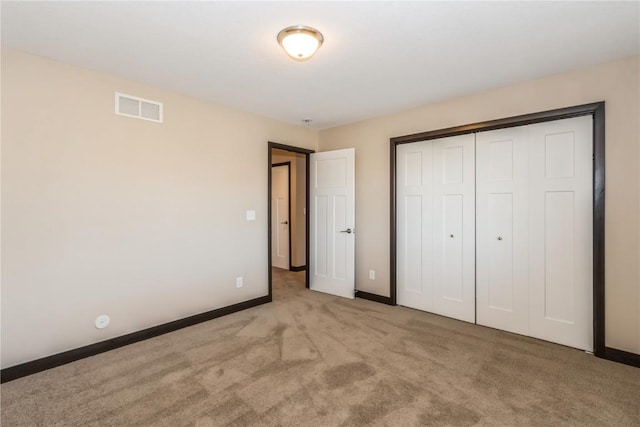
(306, 152)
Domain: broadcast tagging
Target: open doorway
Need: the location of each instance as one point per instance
(288, 207)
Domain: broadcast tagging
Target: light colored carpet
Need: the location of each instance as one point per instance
(313, 359)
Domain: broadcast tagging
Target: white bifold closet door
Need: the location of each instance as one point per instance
(502, 211)
(436, 226)
(534, 230)
(561, 232)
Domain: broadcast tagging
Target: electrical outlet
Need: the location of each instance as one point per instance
(239, 282)
(102, 321)
(372, 275)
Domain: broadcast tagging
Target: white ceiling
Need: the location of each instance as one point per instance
(378, 57)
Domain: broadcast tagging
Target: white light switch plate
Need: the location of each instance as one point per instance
(251, 215)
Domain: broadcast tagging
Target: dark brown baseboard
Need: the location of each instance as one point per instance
(622, 356)
(38, 365)
(613, 354)
(374, 297)
(301, 268)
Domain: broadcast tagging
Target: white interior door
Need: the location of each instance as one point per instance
(436, 226)
(561, 231)
(332, 234)
(502, 255)
(280, 216)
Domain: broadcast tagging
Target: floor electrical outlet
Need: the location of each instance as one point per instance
(102, 321)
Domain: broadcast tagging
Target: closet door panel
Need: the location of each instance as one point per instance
(561, 221)
(454, 227)
(501, 281)
(415, 225)
(452, 247)
(502, 231)
(412, 237)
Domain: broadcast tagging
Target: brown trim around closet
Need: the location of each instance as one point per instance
(597, 110)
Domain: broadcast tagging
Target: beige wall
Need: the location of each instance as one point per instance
(104, 214)
(301, 211)
(298, 190)
(617, 83)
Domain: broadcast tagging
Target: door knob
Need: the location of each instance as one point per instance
(451, 235)
(348, 231)
(499, 238)
(285, 222)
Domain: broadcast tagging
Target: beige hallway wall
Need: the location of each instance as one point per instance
(104, 214)
(301, 211)
(617, 83)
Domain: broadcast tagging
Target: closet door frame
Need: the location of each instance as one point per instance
(596, 110)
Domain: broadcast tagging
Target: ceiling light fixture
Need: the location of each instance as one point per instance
(300, 42)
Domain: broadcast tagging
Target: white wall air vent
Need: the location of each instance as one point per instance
(140, 108)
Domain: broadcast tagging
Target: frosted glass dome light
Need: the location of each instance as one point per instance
(300, 42)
